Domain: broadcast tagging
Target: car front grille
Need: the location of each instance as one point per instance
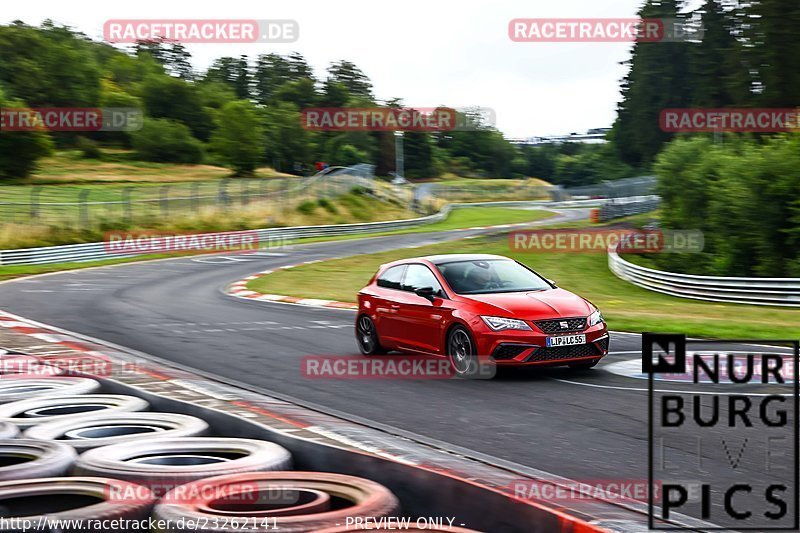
(563, 352)
(557, 325)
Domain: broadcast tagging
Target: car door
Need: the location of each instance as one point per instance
(387, 304)
(422, 320)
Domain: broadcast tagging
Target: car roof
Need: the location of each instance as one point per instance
(445, 258)
(451, 258)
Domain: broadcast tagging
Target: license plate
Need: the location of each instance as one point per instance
(566, 340)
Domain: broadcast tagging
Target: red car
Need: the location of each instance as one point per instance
(466, 306)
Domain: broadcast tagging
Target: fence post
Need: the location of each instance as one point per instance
(244, 190)
(83, 208)
(163, 194)
(195, 196)
(223, 192)
(126, 205)
(35, 192)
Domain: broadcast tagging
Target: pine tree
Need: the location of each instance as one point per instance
(658, 79)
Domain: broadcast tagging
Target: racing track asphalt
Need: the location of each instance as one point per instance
(584, 426)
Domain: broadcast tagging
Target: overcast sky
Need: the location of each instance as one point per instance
(427, 52)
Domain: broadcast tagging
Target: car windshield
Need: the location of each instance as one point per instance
(490, 276)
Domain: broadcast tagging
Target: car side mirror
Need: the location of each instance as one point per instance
(551, 282)
(426, 292)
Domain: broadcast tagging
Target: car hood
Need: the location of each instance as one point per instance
(534, 305)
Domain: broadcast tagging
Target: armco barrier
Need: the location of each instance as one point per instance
(623, 207)
(783, 292)
(96, 251)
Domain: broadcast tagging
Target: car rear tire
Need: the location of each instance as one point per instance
(367, 337)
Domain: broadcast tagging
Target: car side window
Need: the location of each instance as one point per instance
(419, 276)
(392, 277)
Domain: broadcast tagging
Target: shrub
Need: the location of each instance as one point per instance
(327, 205)
(89, 148)
(166, 141)
(307, 207)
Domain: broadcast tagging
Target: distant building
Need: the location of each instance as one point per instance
(594, 135)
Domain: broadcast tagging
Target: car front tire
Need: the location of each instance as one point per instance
(462, 352)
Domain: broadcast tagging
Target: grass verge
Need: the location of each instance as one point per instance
(625, 306)
(321, 214)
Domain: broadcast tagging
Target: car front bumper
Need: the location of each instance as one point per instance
(523, 348)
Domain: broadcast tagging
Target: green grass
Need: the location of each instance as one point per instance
(483, 216)
(120, 166)
(625, 306)
(458, 219)
(17, 271)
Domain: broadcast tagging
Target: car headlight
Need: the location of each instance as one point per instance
(499, 323)
(595, 318)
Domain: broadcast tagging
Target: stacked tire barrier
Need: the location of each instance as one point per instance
(72, 450)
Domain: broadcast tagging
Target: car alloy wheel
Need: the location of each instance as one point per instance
(367, 336)
(461, 351)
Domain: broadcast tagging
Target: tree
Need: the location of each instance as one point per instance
(657, 80)
(239, 138)
(775, 51)
(20, 150)
(172, 98)
(47, 67)
(273, 71)
(163, 140)
(418, 155)
(234, 72)
(720, 76)
(301, 93)
(352, 78)
(286, 141)
(172, 55)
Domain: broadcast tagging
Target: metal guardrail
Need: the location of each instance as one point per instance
(783, 292)
(96, 251)
(623, 207)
